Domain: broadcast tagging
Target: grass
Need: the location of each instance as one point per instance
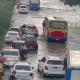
(6, 8)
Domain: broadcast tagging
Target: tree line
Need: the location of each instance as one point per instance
(71, 2)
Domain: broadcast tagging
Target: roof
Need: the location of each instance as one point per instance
(15, 27)
(74, 58)
(23, 5)
(30, 25)
(10, 50)
(22, 63)
(12, 32)
(18, 41)
(54, 58)
(55, 18)
(30, 36)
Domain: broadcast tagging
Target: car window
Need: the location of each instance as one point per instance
(14, 29)
(22, 67)
(56, 62)
(13, 53)
(22, 6)
(43, 59)
(31, 27)
(14, 34)
(29, 38)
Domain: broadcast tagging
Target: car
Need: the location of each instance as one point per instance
(11, 56)
(11, 36)
(23, 8)
(51, 66)
(15, 29)
(21, 46)
(18, 44)
(24, 71)
(29, 29)
(30, 41)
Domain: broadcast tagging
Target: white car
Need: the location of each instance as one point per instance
(51, 66)
(23, 8)
(24, 71)
(11, 56)
(11, 36)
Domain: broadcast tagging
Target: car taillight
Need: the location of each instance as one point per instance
(31, 74)
(13, 46)
(46, 68)
(64, 68)
(18, 58)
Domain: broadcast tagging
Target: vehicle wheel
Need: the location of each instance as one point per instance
(43, 74)
(38, 68)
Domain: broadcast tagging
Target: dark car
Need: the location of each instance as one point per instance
(31, 42)
(19, 44)
(29, 29)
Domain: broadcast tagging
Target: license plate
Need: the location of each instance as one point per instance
(55, 67)
(57, 39)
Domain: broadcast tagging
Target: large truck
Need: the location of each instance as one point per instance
(34, 4)
(73, 65)
(55, 29)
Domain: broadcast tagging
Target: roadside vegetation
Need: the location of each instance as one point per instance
(6, 7)
(71, 2)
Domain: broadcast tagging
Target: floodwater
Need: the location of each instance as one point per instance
(51, 8)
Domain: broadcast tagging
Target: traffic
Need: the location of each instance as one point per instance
(24, 38)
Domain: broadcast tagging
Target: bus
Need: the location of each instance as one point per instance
(55, 29)
(73, 65)
(34, 4)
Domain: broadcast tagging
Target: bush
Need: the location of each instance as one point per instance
(72, 2)
(6, 7)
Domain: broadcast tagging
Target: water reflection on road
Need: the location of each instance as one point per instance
(51, 8)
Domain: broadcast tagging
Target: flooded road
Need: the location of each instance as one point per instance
(51, 8)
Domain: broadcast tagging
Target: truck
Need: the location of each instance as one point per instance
(34, 4)
(73, 65)
(55, 29)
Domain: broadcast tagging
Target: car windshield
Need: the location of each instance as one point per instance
(18, 45)
(13, 53)
(23, 7)
(22, 67)
(30, 38)
(14, 29)
(31, 27)
(56, 62)
(12, 34)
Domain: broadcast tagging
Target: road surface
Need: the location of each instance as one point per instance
(50, 8)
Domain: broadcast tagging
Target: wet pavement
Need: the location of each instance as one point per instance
(51, 8)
